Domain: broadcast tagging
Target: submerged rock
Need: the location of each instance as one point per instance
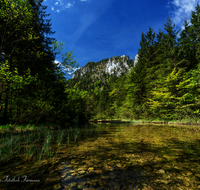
(161, 171)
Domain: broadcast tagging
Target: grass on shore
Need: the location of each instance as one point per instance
(35, 144)
(183, 121)
(186, 121)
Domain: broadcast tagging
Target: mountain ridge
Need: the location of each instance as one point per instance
(114, 65)
(95, 75)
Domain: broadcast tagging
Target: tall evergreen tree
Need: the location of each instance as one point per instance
(138, 88)
(16, 18)
(159, 45)
(170, 47)
(185, 54)
(195, 34)
(38, 99)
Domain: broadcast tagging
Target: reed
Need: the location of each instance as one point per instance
(37, 144)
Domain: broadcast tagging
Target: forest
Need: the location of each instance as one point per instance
(164, 84)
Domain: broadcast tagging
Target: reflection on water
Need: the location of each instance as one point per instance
(128, 156)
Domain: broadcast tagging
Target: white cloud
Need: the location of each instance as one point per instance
(64, 68)
(183, 10)
(62, 5)
(68, 5)
(56, 62)
(89, 16)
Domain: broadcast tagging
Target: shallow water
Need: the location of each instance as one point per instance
(135, 157)
(128, 156)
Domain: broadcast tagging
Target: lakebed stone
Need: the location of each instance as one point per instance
(161, 171)
(116, 174)
(81, 181)
(81, 172)
(90, 168)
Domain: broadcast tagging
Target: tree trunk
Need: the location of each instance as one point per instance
(5, 115)
(1, 92)
(6, 120)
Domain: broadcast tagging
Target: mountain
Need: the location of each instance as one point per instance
(101, 71)
(115, 65)
(136, 59)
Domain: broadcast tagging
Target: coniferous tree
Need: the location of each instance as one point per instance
(37, 56)
(43, 99)
(159, 52)
(16, 18)
(170, 48)
(185, 57)
(138, 88)
(195, 35)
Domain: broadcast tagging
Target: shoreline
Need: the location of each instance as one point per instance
(142, 121)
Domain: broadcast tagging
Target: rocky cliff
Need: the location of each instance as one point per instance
(99, 73)
(113, 66)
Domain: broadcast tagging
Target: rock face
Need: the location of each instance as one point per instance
(114, 65)
(95, 75)
(136, 59)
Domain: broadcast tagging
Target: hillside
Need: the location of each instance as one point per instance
(101, 71)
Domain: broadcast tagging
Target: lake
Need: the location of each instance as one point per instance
(125, 156)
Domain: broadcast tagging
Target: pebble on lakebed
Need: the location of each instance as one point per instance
(89, 175)
(92, 177)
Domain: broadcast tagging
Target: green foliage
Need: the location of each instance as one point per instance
(165, 83)
(97, 83)
(77, 103)
(13, 78)
(16, 18)
(23, 98)
(68, 61)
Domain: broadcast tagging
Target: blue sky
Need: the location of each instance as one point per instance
(99, 29)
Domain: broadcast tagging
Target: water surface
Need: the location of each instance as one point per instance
(135, 157)
(129, 156)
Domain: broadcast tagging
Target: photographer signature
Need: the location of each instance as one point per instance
(18, 179)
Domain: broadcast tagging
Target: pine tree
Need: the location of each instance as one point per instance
(16, 18)
(195, 34)
(170, 49)
(138, 88)
(42, 99)
(185, 55)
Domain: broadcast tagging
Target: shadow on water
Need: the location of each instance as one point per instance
(125, 157)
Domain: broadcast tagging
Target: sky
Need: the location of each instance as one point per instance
(99, 29)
